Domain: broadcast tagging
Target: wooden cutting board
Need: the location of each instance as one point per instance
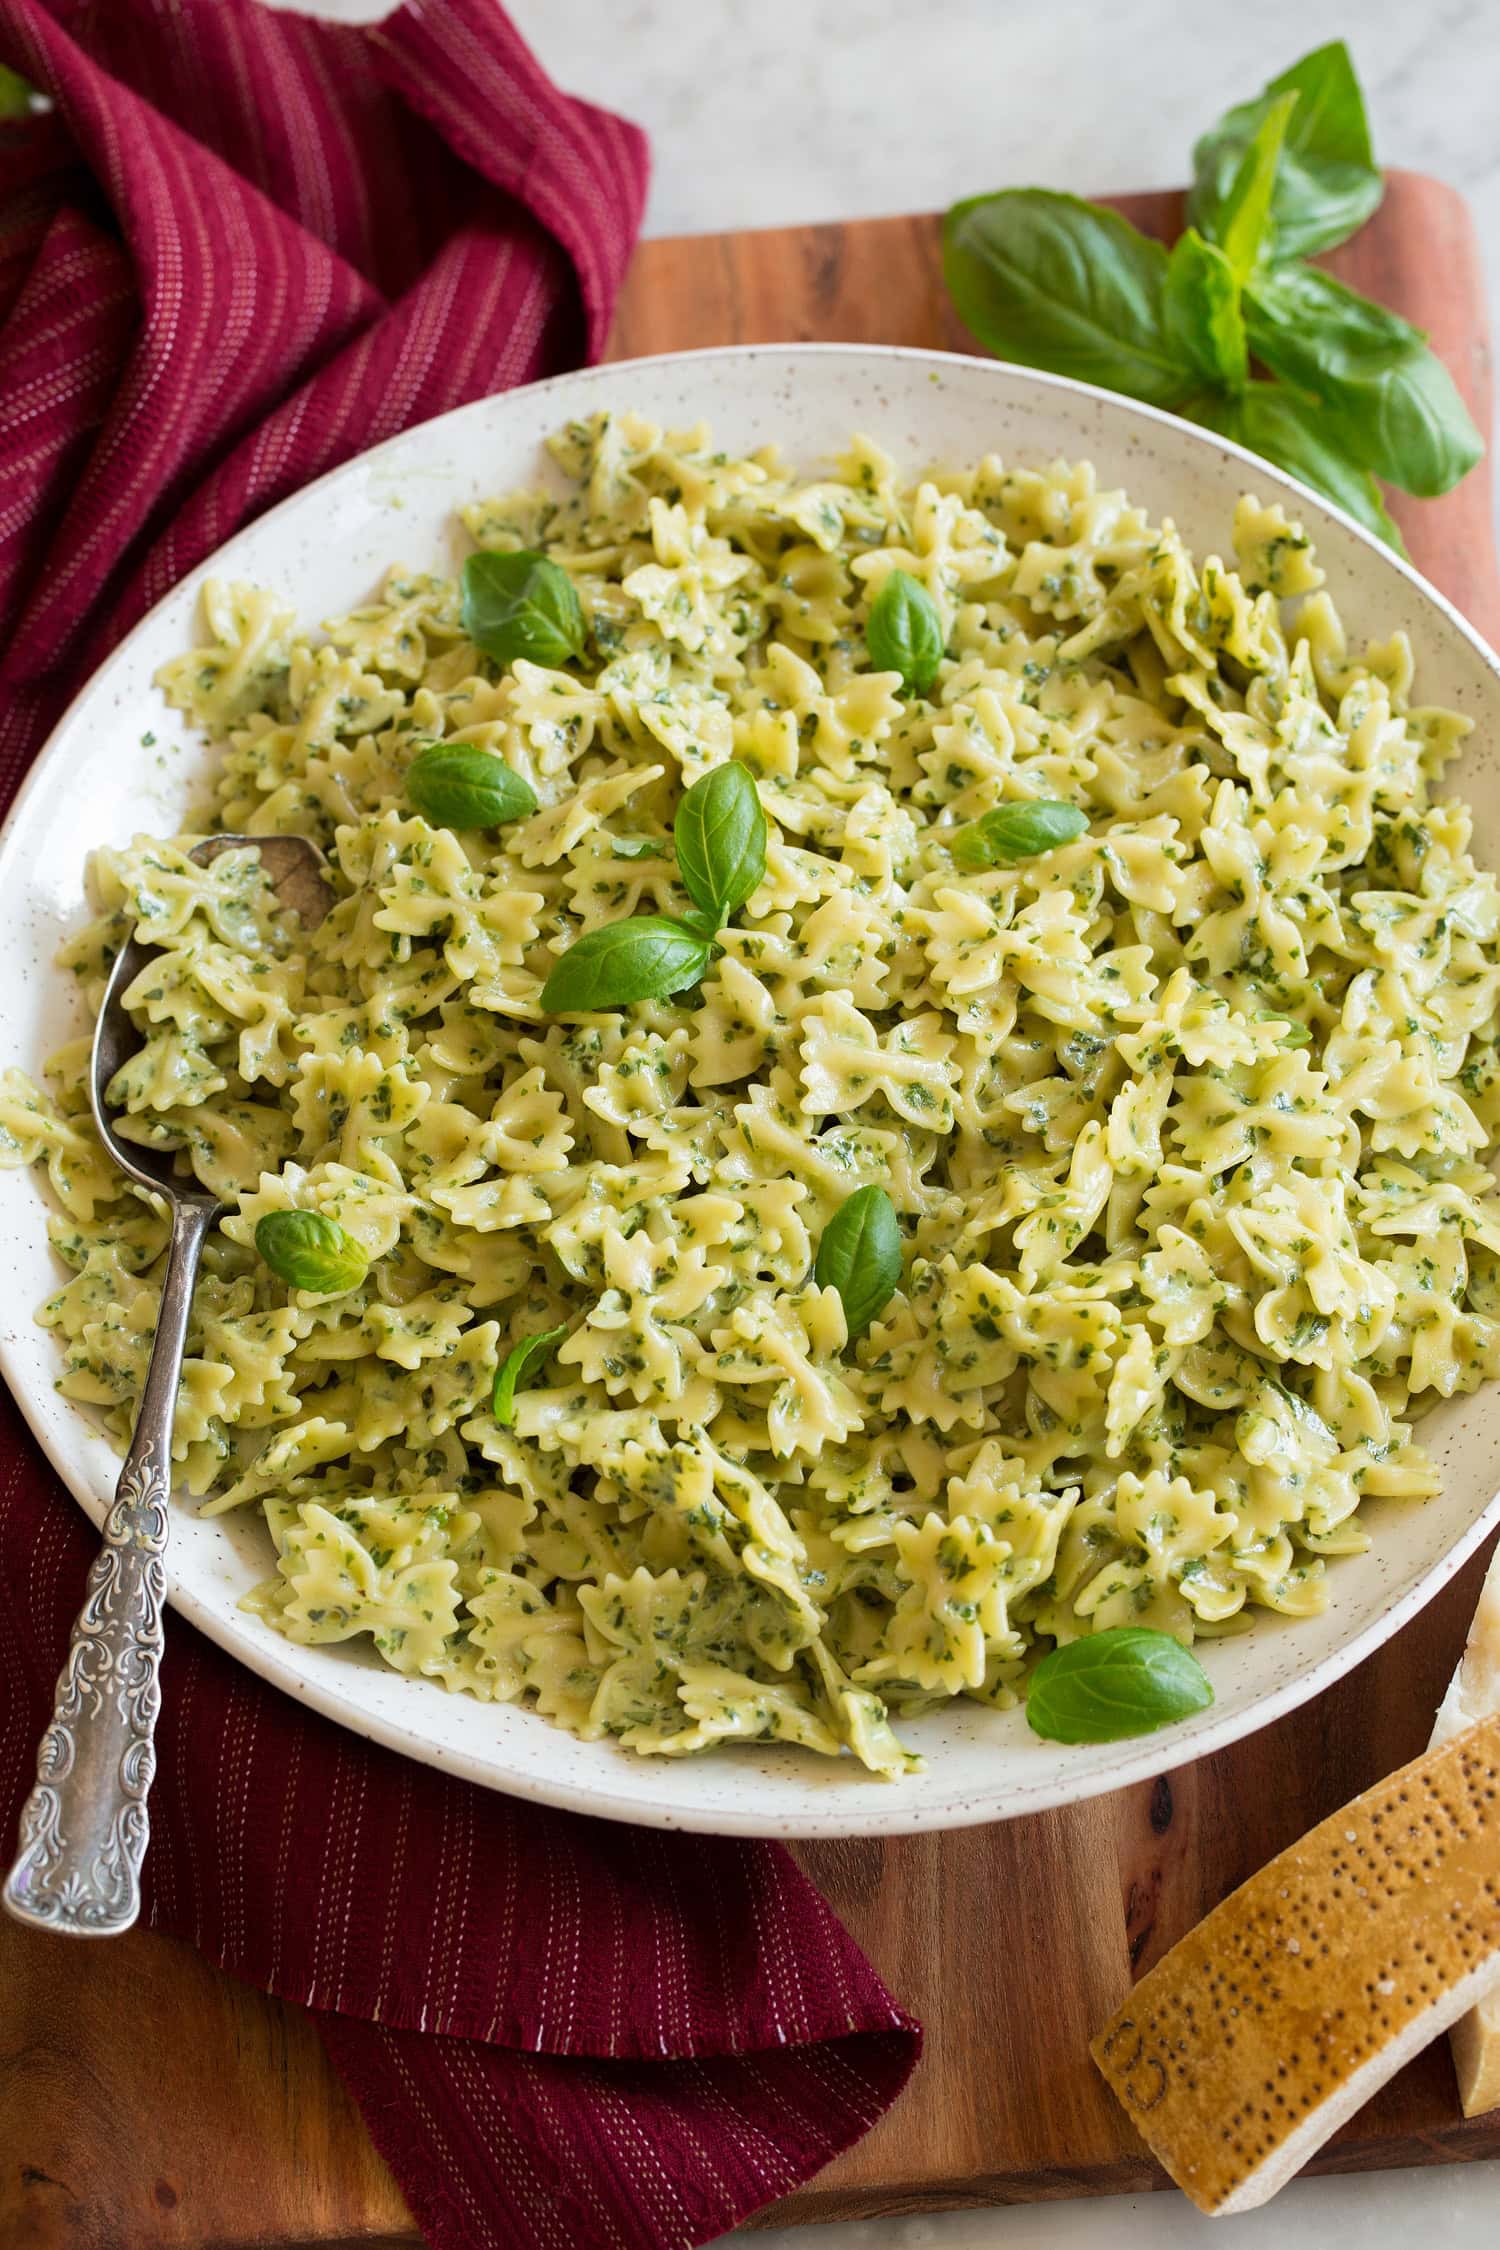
(147, 2102)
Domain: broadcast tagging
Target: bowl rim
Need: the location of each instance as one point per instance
(850, 1813)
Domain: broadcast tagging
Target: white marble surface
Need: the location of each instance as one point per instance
(767, 112)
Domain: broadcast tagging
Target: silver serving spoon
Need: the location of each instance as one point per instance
(84, 1827)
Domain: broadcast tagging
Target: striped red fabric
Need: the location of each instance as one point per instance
(238, 249)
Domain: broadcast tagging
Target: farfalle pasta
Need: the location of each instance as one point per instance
(1184, 1120)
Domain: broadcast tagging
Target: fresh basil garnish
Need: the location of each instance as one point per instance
(1203, 313)
(1057, 283)
(646, 957)
(1390, 401)
(860, 1256)
(511, 1374)
(458, 785)
(1127, 1680)
(1010, 833)
(521, 604)
(1327, 182)
(308, 1251)
(720, 838)
(1051, 281)
(905, 632)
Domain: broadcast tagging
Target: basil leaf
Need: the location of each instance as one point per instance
(1124, 1681)
(1293, 1034)
(510, 1375)
(1327, 183)
(1273, 421)
(645, 957)
(1396, 407)
(521, 604)
(1050, 281)
(307, 1251)
(1242, 226)
(720, 835)
(860, 1256)
(905, 632)
(458, 785)
(1008, 834)
(1202, 306)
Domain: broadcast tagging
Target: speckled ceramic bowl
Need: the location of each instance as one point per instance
(119, 763)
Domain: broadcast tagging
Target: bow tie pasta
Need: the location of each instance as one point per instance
(1184, 1119)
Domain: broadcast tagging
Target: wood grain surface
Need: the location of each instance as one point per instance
(147, 2102)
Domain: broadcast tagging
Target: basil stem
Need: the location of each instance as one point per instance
(511, 1374)
(860, 1256)
(905, 632)
(646, 957)
(521, 604)
(308, 1251)
(1127, 1680)
(458, 785)
(1011, 833)
(720, 837)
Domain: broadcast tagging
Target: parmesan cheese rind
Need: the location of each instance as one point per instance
(1474, 1693)
(1286, 2008)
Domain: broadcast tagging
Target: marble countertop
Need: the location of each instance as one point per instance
(771, 112)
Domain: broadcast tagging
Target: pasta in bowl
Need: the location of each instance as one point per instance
(1116, 940)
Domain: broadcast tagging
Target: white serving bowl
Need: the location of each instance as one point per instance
(101, 779)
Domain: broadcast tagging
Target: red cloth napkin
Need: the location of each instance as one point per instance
(242, 247)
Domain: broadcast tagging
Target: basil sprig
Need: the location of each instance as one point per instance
(510, 1375)
(720, 840)
(905, 632)
(1057, 283)
(1010, 833)
(1327, 182)
(860, 1256)
(1107, 1686)
(521, 604)
(308, 1251)
(458, 785)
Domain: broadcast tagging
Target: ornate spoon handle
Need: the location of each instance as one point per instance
(84, 1827)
